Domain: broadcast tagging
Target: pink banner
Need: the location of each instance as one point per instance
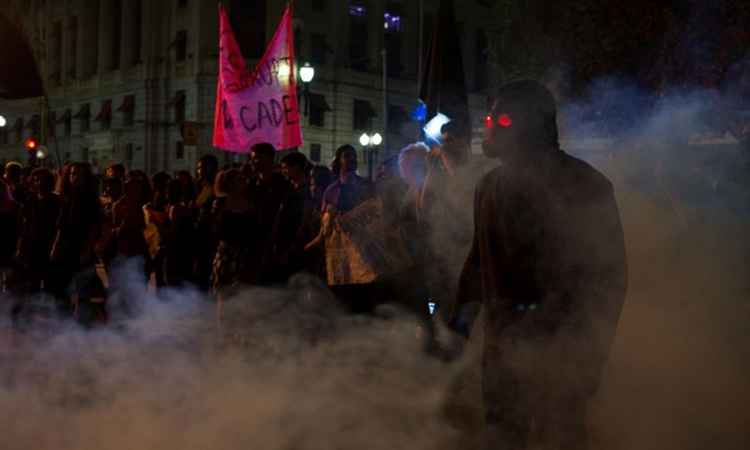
(257, 106)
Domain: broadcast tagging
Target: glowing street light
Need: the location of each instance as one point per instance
(42, 152)
(3, 122)
(369, 142)
(306, 73)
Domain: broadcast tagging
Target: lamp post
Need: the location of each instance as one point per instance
(306, 75)
(369, 142)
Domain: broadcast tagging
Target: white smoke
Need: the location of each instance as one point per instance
(285, 369)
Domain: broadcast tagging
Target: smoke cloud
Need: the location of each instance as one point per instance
(678, 373)
(287, 369)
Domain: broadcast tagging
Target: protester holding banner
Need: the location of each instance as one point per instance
(267, 190)
(288, 248)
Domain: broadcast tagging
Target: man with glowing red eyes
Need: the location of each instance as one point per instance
(548, 263)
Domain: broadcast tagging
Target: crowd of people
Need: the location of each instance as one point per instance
(253, 223)
(546, 252)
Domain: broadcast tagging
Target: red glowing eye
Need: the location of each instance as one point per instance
(504, 121)
(488, 122)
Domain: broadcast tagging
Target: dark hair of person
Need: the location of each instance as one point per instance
(336, 164)
(209, 161)
(160, 181)
(323, 177)
(13, 171)
(187, 185)
(46, 179)
(174, 191)
(139, 176)
(89, 185)
(264, 149)
(295, 159)
(537, 105)
(457, 129)
(118, 169)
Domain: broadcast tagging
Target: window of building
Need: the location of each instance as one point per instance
(315, 151)
(248, 20)
(318, 48)
(84, 116)
(116, 33)
(18, 129)
(129, 150)
(179, 150)
(105, 115)
(180, 45)
(318, 109)
(179, 107)
(67, 122)
(397, 118)
(127, 108)
(4, 136)
(52, 124)
(319, 5)
(393, 47)
(84, 153)
(358, 37)
(35, 125)
(362, 115)
(182, 3)
(73, 59)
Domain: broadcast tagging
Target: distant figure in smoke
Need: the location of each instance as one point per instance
(548, 262)
(205, 174)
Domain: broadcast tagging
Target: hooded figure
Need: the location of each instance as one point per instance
(548, 263)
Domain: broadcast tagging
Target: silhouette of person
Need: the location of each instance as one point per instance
(548, 264)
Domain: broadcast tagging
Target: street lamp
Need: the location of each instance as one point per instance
(369, 142)
(306, 75)
(3, 122)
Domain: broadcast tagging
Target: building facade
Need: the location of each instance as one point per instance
(134, 81)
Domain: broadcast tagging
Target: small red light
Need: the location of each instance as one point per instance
(504, 121)
(30, 144)
(488, 122)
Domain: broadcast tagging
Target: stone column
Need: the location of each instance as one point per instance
(105, 36)
(127, 29)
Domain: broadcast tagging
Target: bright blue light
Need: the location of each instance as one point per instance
(420, 112)
(357, 10)
(392, 22)
(432, 129)
(431, 306)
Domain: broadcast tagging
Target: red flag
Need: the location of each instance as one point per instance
(257, 106)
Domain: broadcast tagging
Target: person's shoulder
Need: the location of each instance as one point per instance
(336, 184)
(491, 176)
(584, 174)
